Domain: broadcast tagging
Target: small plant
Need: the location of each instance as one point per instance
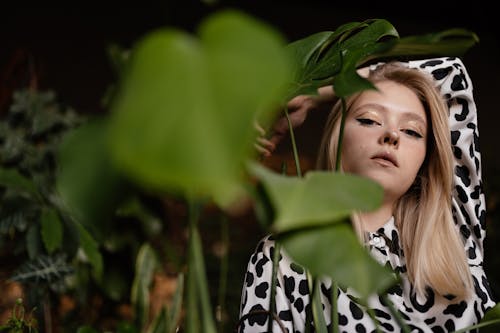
(20, 322)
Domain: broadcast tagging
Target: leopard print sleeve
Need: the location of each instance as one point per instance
(468, 201)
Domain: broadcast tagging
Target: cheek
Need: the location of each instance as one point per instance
(416, 157)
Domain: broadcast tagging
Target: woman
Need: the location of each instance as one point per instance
(399, 136)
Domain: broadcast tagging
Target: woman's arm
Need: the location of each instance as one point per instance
(298, 109)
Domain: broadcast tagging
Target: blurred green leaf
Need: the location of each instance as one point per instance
(337, 253)
(86, 329)
(184, 118)
(320, 197)
(11, 178)
(91, 250)
(89, 185)
(51, 229)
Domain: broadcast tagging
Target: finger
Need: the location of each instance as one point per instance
(262, 151)
(259, 128)
(266, 144)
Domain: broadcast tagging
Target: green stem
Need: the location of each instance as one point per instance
(334, 308)
(341, 135)
(317, 308)
(223, 274)
(197, 267)
(334, 311)
(294, 145)
(482, 324)
(371, 313)
(272, 301)
(396, 314)
(192, 313)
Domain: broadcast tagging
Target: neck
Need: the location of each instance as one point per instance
(372, 221)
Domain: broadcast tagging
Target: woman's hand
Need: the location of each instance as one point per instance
(298, 109)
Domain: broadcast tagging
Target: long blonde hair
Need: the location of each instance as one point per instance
(433, 248)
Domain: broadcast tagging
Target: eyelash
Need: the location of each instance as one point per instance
(413, 133)
(369, 122)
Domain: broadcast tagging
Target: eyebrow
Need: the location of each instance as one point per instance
(406, 114)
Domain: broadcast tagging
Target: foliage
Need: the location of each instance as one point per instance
(32, 223)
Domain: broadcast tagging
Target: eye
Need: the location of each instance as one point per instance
(367, 121)
(413, 133)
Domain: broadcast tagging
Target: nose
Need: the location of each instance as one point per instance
(390, 137)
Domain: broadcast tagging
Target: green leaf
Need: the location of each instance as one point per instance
(11, 178)
(321, 197)
(51, 229)
(86, 329)
(490, 323)
(183, 120)
(450, 42)
(145, 266)
(126, 327)
(88, 184)
(337, 253)
(52, 270)
(91, 250)
(160, 323)
(327, 54)
(175, 311)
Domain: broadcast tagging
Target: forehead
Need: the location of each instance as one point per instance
(391, 97)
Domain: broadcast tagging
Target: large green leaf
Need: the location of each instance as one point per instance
(183, 119)
(335, 251)
(450, 42)
(321, 197)
(89, 185)
(326, 57)
(326, 54)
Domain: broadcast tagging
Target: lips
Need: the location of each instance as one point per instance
(386, 158)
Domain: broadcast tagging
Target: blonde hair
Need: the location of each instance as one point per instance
(433, 248)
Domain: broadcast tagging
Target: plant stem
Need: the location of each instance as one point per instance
(396, 314)
(317, 307)
(223, 273)
(197, 267)
(341, 135)
(334, 308)
(192, 313)
(294, 145)
(272, 303)
(375, 321)
(335, 286)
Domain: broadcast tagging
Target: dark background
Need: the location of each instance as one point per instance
(64, 45)
(67, 42)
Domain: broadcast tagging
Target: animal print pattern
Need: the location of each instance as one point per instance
(422, 314)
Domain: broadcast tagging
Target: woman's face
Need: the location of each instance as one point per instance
(385, 137)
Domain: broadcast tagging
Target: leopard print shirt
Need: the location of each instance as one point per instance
(421, 314)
